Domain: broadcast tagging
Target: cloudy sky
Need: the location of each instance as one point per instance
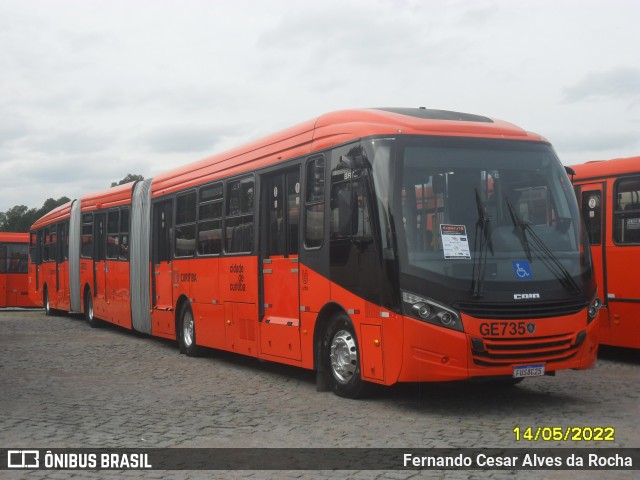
(92, 90)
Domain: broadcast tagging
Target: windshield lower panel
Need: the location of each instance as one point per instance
(482, 220)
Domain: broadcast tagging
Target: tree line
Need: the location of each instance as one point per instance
(19, 218)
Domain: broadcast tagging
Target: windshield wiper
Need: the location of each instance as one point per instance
(541, 250)
(519, 230)
(480, 263)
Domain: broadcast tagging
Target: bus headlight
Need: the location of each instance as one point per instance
(594, 308)
(423, 310)
(431, 311)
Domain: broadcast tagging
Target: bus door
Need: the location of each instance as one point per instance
(279, 240)
(99, 264)
(62, 274)
(163, 320)
(592, 199)
(36, 255)
(623, 253)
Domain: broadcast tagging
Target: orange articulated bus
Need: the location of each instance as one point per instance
(53, 261)
(609, 196)
(14, 291)
(373, 246)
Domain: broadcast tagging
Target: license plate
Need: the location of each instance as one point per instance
(522, 371)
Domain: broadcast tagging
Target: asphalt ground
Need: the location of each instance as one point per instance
(66, 385)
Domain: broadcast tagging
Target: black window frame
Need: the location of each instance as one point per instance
(245, 231)
(624, 214)
(87, 222)
(315, 201)
(11, 252)
(184, 224)
(112, 251)
(123, 234)
(218, 204)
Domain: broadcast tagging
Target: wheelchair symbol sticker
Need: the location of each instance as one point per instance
(522, 269)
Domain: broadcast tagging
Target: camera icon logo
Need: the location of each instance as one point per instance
(23, 459)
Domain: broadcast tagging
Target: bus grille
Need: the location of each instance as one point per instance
(521, 310)
(508, 351)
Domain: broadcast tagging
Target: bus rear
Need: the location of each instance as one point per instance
(14, 290)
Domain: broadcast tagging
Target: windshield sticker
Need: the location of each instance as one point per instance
(522, 269)
(454, 241)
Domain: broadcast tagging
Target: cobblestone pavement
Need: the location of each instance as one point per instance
(64, 384)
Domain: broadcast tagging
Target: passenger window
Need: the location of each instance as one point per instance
(123, 252)
(238, 224)
(86, 249)
(626, 216)
(185, 244)
(210, 220)
(113, 225)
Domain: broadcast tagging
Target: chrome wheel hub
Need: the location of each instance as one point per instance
(343, 356)
(187, 329)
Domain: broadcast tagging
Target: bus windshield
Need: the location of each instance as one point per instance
(482, 215)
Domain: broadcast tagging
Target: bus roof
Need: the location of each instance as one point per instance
(14, 237)
(606, 168)
(334, 129)
(112, 197)
(58, 213)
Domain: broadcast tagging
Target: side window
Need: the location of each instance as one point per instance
(50, 243)
(238, 225)
(43, 245)
(39, 246)
(66, 241)
(348, 201)
(113, 226)
(33, 248)
(592, 215)
(86, 250)
(123, 243)
(185, 238)
(626, 213)
(210, 220)
(3, 257)
(314, 203)
(15, 255)
(63, 242)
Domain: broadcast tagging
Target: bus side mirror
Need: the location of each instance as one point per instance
(347, 212)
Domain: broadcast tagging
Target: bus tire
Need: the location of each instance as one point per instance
(187, 332)
(46, 303)
(341, 358)
(89, 314)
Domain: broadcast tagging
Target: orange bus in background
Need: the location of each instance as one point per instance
(372, 246)
(609, 196)
(14, 291)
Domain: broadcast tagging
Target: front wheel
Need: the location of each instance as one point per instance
(341, 358)
(187, 332)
